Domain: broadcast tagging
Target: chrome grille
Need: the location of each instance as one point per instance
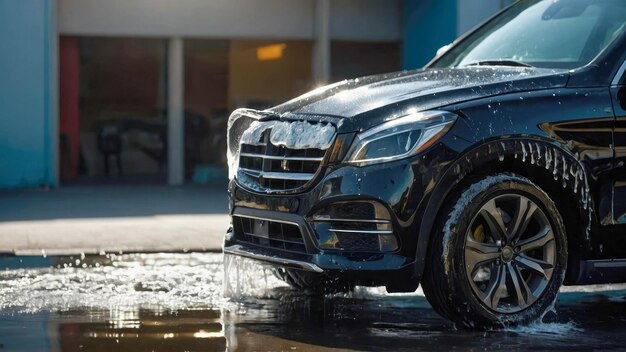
(279, 168)
(356, 235)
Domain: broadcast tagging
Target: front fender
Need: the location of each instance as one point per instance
(541, 160)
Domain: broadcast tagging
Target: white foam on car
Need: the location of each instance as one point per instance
(290, 134)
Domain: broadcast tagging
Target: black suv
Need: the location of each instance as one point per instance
(492, 176)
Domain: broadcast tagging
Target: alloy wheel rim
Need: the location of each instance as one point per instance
(510, 253)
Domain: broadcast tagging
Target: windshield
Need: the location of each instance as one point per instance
(542, 33)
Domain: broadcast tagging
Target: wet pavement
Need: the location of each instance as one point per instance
(175, 302)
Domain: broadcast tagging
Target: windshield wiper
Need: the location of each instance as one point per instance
(506, 62)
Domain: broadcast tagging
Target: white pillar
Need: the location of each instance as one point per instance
(175, 112)
(321, 47)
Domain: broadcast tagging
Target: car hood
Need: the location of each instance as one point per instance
(364, 102)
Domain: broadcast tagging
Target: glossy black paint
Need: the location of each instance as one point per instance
(400, 186)
(366, 102)
(510, 119)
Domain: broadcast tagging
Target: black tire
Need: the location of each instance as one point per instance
(311, 283)
(528, 291)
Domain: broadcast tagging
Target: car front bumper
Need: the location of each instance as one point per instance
(399, 188)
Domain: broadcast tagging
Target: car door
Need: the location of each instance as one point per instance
(618, 93)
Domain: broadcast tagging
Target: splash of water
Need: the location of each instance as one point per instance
(155, 281)
(546, 329)
(244, 278)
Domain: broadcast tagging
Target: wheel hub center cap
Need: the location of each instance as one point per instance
(507, 254)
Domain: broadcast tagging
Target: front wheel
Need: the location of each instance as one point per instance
(499, 257)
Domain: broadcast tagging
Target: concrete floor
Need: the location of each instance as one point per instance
(112, 218)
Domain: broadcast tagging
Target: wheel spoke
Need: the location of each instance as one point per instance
(539, 240)
(496, 288)
(493, 217)
(522, 291)
(478, 254)
(537, 266)
(523, 215)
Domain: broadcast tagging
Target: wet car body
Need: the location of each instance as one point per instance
(561, 128)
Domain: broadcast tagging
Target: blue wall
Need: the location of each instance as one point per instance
(28, 88)
(428, 25)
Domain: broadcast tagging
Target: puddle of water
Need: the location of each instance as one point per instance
(175, 302)
(172, 281)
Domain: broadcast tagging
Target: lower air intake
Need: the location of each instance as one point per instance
(269, 234)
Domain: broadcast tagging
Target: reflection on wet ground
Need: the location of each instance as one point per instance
(174, 302)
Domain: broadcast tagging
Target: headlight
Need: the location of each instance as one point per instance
(400, 138)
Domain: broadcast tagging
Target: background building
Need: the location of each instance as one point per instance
(140, 90)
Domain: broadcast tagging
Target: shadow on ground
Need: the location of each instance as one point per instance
(102, 201)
